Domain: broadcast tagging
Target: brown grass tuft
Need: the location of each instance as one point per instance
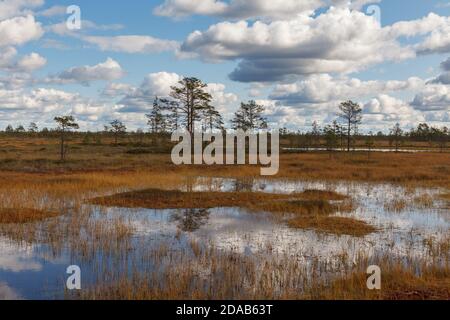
(334, 225)
(24, 215)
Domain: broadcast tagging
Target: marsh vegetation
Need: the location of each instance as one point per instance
(142, 228)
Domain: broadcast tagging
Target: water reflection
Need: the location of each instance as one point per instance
(28, 272)
(190, 220)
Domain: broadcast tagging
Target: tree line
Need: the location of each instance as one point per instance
(189, 107)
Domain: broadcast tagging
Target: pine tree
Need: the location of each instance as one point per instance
(249, 117)
(212, 119)
(189, 101)
(156, 119)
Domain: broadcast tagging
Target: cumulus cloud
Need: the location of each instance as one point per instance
(445, 65)
(437, 42)
(53, 11)
(132, 44)
(339, 40)
(26, 64)
(31, 62)
(159, 85)
(19, 30)
(236, 8)
(154, 85)
(6, 56)
(245, 9)
(444, 78)
(391, 109)
(38, 100)
(325, 88)
(106, 71)
(11, 8)
(433, 98)
(113, 90)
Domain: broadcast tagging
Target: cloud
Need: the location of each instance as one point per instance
(223, 101)
(437, 42)
(236, 8)
(19, 30)
(159, 85)
(338, 41)
(31, 62)
(324, 88)
(6, 56)
(86, 25)
(113, 90)
(443, 78)
(433, 98)
(38, 100)
(106, 71)
(11, 8)
(53, 11)
(445, 65)
(90, 111)
(155, 84)
(26, 64)
(132, 44)
(246, 9)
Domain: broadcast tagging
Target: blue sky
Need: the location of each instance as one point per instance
(299, 62)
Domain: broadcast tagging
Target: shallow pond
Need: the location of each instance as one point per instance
(38, 271)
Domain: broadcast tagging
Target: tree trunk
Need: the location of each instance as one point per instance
(349, 131)
(62, 146)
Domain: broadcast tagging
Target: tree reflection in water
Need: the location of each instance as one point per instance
(190, 220)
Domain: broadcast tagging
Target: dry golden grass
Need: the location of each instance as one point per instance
(334, 225)
(174, 199)
(396, 205)
(424, 201)
(24, 215)
(32, 177)
(211, 274)
(40, 156)
(398, 283)
(298, 207)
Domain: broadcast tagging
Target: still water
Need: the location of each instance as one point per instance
(38, 270)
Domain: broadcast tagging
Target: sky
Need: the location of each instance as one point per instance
(300, 59)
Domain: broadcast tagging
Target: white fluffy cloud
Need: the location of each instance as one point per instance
(391, 109)
(11, 8)
(339, 40)
(31, 62)
(25, 64)
(159, 85)
(19, 30)
(324, 88)
(443, 78)
(38, 100)
(445, 65)
(244, 9)
(113, 89)
(53, 11)
(236, 8)
(132, 44)
(6, 56)
(107, 71)
(433, 98)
